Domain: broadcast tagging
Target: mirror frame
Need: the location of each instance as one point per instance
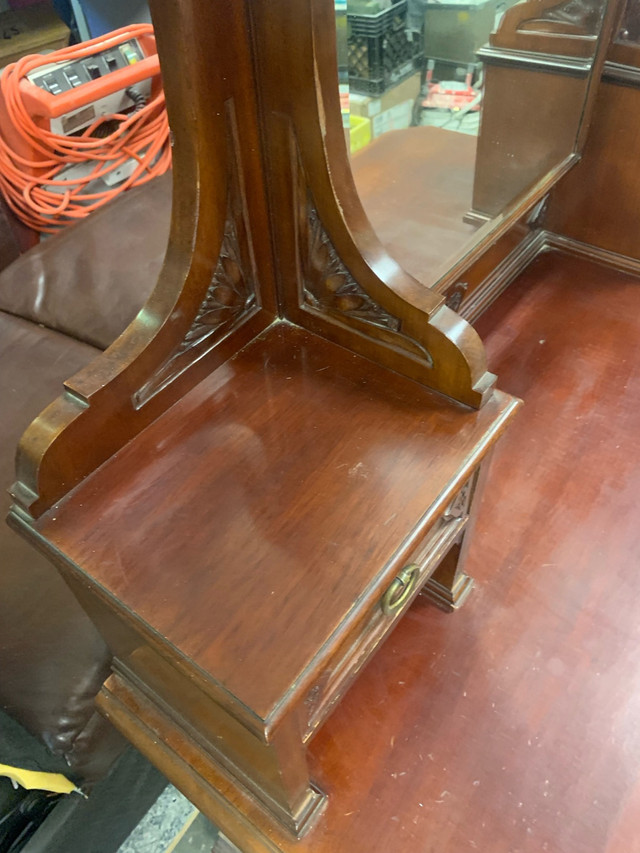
(489, 260)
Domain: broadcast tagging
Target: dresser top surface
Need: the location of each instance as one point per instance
(250, 523)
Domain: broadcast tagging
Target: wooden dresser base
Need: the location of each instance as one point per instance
(256, 570)
(179, 755)
(513, 724)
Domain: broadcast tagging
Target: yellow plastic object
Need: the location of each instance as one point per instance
(360, 133)
(36, 780)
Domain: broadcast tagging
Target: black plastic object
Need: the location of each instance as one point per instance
(381, 51)
(22, 814)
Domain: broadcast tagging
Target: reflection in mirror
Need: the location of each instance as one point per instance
(629, 31)
(458, 109)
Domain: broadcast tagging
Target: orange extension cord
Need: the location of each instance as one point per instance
(142, 135)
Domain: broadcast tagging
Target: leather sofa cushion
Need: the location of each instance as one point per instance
(52, 660)
(91, 280)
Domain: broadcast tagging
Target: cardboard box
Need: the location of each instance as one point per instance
(34, 29)
(364, 105)
(395, 118)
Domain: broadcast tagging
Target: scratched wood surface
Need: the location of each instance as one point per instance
(513, 726)
(262, 563)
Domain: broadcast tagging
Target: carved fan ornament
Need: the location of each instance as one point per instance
(230, 295)
(330, 287)
(231, 298)
(460, 504)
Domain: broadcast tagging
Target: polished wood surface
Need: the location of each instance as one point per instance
(249, 488)
(416, 186)
(518, 730)
(266, 223)
(598, 203)
(235, 490)
(217, 187)
(266, 508)
(513, 726)
(248, 552)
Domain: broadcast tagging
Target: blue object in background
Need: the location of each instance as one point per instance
(97, 17)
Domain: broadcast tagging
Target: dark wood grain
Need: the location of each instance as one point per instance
(312, 180)
(238, 553)
(513, 726)
(416, 186)
(530, 119)
(214, 185)
(275, 518)
(239, 255)
(598, 203)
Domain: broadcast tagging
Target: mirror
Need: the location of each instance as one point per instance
(629, 29)
(455, 110)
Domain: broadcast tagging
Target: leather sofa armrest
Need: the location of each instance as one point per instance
(90, 280)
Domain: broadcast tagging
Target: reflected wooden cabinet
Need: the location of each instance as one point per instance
(467, 213)
(538, 66)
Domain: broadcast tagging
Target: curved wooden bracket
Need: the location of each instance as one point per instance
(555, 27)
(335, 277)
(248, 117)
(215, 291)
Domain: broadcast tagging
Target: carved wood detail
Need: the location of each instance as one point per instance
(566, 28)
(232, 297)
(459, 506)
(328, 284)
(455, 294)
(329, 288)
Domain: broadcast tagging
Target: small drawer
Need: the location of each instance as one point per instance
(394, 602)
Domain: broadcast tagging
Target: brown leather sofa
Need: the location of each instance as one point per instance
(61, 303)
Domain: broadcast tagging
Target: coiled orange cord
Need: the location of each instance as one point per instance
(142, 135)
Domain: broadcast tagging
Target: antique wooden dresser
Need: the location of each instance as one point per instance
(253, 484)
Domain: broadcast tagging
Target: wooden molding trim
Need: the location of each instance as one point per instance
(616, 72)
(569, 246)
(537, 61)
(179, 756)
(528, 249)
(510, 268)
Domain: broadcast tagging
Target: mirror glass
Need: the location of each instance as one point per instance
(456, 109)
(629, 29)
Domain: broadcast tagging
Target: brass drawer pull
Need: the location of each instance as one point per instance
(400, 590)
